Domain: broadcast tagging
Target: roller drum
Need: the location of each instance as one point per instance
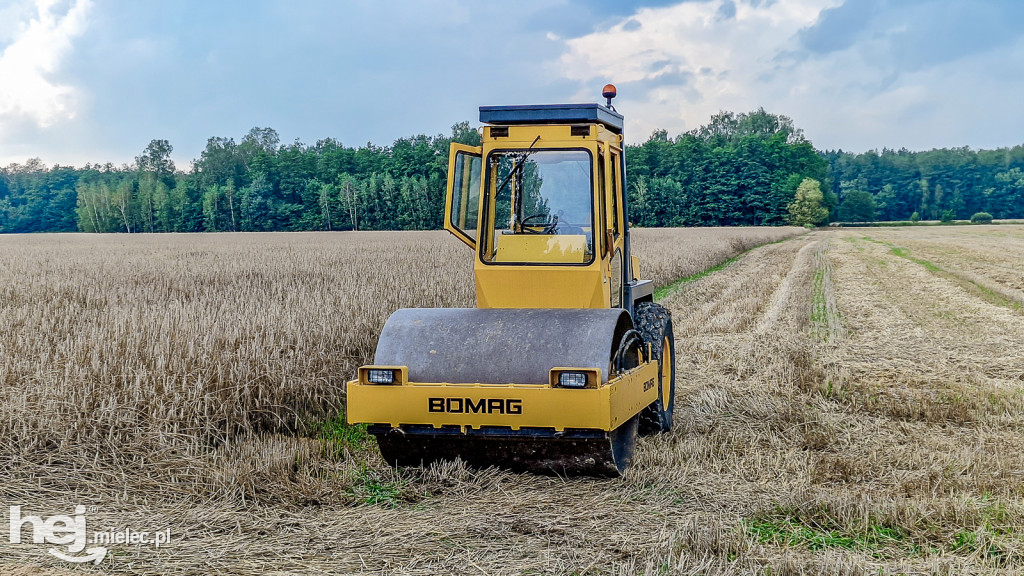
(499, 346)
(505, 346)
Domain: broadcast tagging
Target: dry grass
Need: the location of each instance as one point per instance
(669, 254)
(841, 409)
(989, 257)
(208, 369)
(158, 353)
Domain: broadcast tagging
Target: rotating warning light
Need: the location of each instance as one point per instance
(609, 93)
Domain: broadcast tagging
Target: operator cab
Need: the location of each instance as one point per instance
(541, 203)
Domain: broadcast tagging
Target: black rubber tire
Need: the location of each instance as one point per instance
(623, 443)
(654, 323)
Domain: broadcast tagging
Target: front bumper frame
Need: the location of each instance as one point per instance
(512, 406)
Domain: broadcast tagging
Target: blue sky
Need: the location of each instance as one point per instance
(96, 80)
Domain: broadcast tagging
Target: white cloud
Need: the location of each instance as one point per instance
(687, 62)
(13, 16)
(28, 91)
(678, 65)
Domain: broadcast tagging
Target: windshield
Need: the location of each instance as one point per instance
(539, 207)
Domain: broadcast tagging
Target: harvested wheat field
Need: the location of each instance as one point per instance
(848, 402)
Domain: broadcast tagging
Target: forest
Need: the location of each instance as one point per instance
(740, 169)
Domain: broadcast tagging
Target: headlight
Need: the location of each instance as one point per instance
(383, 374)
(575, 377)
(380, 376)
(572, 379)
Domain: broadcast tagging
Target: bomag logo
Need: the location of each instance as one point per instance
(471, 406)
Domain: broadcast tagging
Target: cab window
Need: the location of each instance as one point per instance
(465, 194)
(539, 207)
(616, 194)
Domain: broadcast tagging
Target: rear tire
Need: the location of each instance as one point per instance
(654, 323)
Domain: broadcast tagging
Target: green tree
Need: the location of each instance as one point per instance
(126, 206)
(806, 207)
(1006, 198)
(348, 195)
(255, 205)
(212, 199)
(463, 133)
(156, 158)
(858, 206)
(5, 211)
(639, 203)
(887, 203)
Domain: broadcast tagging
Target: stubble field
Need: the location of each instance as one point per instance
(848, 402)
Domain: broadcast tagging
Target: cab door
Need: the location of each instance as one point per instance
(462, 202)
(612, 233)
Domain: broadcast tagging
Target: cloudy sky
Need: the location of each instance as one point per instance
(96, 80)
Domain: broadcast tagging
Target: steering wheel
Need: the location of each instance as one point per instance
(548, 226)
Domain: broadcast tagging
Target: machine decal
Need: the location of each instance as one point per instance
(479, 406)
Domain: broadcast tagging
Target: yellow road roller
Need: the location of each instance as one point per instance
(566, 358)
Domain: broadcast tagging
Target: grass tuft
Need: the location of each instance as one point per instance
(338, 436)
(786, 528)
(376, 488)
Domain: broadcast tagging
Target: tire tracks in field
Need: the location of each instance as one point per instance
(826, 373)
(788, 293)
(933, 373)
(732, 300)
(991, 290)
(743, 328)
(908, 327)
(826, 320)
(740, 353)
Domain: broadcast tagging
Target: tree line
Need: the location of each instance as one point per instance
(755, 168)
(942, 184)
(256, 184)
(737, 170)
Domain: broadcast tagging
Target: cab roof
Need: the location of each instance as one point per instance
(552, 114)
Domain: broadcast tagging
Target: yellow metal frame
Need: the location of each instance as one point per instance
(522, 405)
(563, 248)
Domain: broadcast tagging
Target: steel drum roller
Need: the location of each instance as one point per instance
(499, 346)
(502, 346)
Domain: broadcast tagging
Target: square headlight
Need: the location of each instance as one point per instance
(571, 379)
(380, 376)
